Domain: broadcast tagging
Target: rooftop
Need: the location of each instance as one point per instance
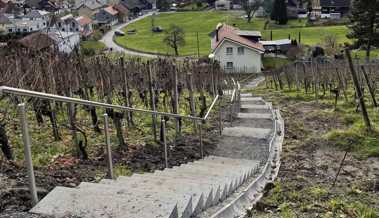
(83, 20)
(226, 32)
(111, 10)
(249, 33)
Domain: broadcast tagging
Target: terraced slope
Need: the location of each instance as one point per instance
(199, 188)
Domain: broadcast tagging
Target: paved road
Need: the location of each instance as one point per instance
(109, 43)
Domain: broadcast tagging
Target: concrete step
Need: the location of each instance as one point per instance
(187, 202)
(246, 95)
(206, 171)
(254, 106)
(241, 173)
(241, 147)
(225, 185)
(64, 202)
(254, 115)
(200, 193)
(211, 191)
(253, 102)
(251, 98)
(253, 110)
(241, 131)
(244, 167)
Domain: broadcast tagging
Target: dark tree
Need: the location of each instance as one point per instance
(364, 22)
(251, 7)
(267, 6)
(174, 37)
(163, 5)
(279, 12)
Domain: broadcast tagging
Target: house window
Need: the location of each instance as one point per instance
(229, 65)
(63, 29)
(25, 30)
(241, 50)
(31, 29)
(10, 30)
(229, 50)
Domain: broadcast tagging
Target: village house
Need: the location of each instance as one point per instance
(85, 26)
(39, 41)
(235, 51)
(67, 24)
(5, 24)
(62, 42)
(107, 16)
(46, 5)
(334, 9)
(34, 20)
(137, 6)
(123, 12)
(223, 5)
(88, 8)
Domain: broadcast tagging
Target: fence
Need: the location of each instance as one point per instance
(199, 121)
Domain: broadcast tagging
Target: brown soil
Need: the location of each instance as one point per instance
(310, 162)
(69, 172)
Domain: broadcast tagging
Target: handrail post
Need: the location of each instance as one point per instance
(220, 116)
(108, 144)
(164, 141)
(201, 139)
(28, 153)
(231, 114)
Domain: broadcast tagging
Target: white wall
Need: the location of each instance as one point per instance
(67, 44)
(250, 61)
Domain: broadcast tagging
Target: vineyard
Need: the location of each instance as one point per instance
(70, 135)
(67, 139)
(348, 82)
(330, 155)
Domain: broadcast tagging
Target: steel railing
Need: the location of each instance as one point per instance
(40, 95)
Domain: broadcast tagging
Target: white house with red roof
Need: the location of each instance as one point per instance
(236, 50)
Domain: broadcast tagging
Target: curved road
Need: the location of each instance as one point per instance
(109, 43)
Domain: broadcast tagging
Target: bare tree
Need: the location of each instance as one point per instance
(251, 7)
(330, 43)
(174, 37)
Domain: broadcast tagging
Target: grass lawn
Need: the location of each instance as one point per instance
(362, 53)
(270, 62)
(205, 22)
(90, 44)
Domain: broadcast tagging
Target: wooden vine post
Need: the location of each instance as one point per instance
(191, 98)
(176, 103)
(359, 92)
(126, 91)
(370, 88)
(152, 103)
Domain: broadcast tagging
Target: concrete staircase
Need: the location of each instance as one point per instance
(184, 191)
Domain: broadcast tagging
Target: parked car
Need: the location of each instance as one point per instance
(157, 29)
(119, 33)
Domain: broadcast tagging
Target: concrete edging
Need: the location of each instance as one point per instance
(254, 192)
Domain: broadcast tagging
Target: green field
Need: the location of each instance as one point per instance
(204, 22)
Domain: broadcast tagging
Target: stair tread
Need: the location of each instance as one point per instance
(62, 201)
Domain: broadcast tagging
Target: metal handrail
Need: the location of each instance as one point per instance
(42, 95)
(211, 107)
